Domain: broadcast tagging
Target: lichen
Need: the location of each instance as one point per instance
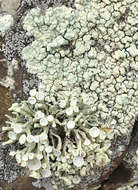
(6, 21)
(86, 48)
(65, 43)
(128, 187)
(88, 54)
(58, 138)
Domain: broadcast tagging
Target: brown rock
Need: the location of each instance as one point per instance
(5, 103)
(23, 183)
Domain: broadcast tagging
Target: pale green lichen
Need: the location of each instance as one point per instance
(58, 138)
(85, 48)
(6, 21)
(64, 46)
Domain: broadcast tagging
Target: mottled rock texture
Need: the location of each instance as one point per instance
(9, 6)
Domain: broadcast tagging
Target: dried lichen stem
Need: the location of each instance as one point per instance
(59, 144)
(78, 117)
(9, 142)
(83, 134)
(6, 128)
(78, 140)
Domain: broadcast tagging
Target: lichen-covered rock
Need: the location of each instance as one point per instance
(130, 160)
(128, 187)
(126, 175)
(92, 49)
(58, 137)
(16, 39)
(74, 50)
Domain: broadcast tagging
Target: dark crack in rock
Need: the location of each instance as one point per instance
(126, 174)
(131, 158)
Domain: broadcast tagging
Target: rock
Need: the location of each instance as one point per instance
(10, 6)
(22, 183)
(5, 103)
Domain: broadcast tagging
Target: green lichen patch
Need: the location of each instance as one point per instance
(71, 46)
(87, 48)
(6, 21)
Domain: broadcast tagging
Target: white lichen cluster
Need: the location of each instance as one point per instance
(6, 21)
(59, 138)
(86, 61)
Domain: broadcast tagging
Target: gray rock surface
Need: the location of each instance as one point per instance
(9, 170)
